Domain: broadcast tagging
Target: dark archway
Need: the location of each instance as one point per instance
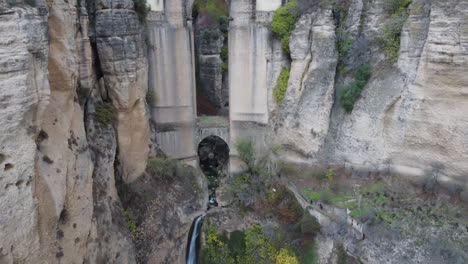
(211, 26)
(213, 153)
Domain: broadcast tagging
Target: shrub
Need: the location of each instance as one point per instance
(284, 22)
(223, 22)
(311, 255)
(326, 196)
(390, 33)
(309, 224)
(350, 94)
(131, 222)
(105, 112)
(142, 9)
(216, 249)
(286, 257)
(246, 152)
(224, 53)
(236, 244)
(329, 175)
(259, 248)
(395, 6)
(216, 8)
(150, 96)
(282, 85)
(161, 166)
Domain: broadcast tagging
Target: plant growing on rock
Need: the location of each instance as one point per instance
(246, 151)
(390, 33)
(282, 85)
(284, 22)
(105, 112)
(161, 166)
(351, 93)
(131, 222)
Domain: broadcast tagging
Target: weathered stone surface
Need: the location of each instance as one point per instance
(125, 69)
(109, 240)
(303, 119)
(24, 93)
(404, 119)
(63, 164)
(164, 220)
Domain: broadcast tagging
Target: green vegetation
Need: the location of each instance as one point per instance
(282, 203)
(282, 85)
(391, 31)
(396, 6)
(246, 151)
(225, 57)
(351, 93)
(216, 8)
(131, 222)
(284, 22)
(311, 256)
(326, 175)
(142, 9)
(251, 246)
(161, 166)
(105, 112)
(150, 96)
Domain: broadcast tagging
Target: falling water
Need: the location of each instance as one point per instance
(192, 249)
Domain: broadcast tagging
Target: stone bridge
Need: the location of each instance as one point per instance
(252, 56)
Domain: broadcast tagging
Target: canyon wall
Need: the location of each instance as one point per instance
(62, 61)
(409, 119)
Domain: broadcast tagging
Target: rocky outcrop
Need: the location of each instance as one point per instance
(58, 162)
(24, 94)
(109, 239)
(63, 163)
(404, 121)
(125, 75)
(164, 220)
(303, 117)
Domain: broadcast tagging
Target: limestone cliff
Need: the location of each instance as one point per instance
(60, 61)
(409, 118)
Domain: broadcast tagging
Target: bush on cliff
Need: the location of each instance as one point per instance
(390, 33)
(351, 93)
(105, 112)
(284, 22)
(282, 85)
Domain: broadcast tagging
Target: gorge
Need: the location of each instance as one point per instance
(302, 131)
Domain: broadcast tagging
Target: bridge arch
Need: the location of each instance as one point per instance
(213, 155)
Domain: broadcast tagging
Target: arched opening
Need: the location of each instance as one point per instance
(211, 26)
(213, 153)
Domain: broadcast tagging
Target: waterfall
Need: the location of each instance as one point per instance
(192, 249)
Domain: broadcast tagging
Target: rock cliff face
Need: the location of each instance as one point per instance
(74, 120)
(405, 120)
(59, 60)
(24, 95)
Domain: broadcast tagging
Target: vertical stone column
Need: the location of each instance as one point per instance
(250, 49)
(172, 79)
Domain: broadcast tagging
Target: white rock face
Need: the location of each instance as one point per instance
(410, 117)
(303, 119)
(24, 93)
